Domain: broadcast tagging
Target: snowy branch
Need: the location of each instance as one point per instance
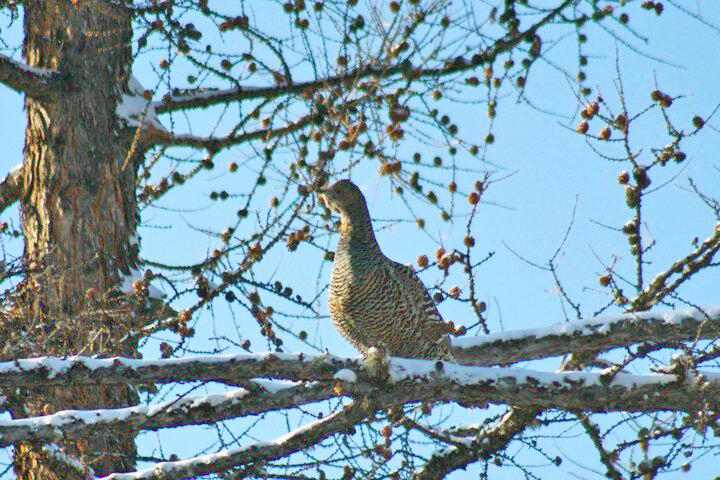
(299, 439)
(11, 187)
(421, 381)
(490, 440)
(33, 82)
(588, 336)
(592, 335)
(410, 381)
(679, 272)
(259, 397)
(228, 369)
(136, 111)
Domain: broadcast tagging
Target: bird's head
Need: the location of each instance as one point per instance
(345, 198)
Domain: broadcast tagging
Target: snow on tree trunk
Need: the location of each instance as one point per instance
(78, 218)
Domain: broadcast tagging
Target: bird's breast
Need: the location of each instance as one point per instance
(352, 274)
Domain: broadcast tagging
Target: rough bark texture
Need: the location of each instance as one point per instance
(78, 216)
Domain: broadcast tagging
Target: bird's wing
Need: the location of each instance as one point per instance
(415, 291)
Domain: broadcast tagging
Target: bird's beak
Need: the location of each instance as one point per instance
(324, 197)
(327, 200)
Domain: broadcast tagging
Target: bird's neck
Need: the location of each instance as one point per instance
(356, 228)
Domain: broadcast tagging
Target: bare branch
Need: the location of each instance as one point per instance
(594, 433)
(155, 137)
(207, 98)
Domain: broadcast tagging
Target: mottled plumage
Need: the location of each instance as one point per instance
(373, 301)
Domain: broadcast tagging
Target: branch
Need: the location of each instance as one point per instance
(228, 369)
(500, 349)
(11, 187)
(588, 336)
(206, 409)
(215, 143)
(419, 381)
(594, 433)
(152, 7)
(410, 381)
(665, 283)
(299, 439)
(491, 440)
(33, 82)
(207, 98)
(204, 99)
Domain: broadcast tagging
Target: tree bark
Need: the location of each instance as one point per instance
(79, 216)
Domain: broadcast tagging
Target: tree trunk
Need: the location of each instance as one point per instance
(78, 218)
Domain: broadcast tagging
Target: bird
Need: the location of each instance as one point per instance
(375, 302)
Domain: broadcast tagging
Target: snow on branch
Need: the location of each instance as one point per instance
(10, 187)
(228, 369)
(136, 110)
(588, 336)
(259, 397)
(591, 335)
(409, 381)
(423, 381)
(33, 82)
(679, 272)
(57, 456)
(299, 439)
(605, 391)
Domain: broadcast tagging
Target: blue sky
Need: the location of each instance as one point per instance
(548, 172)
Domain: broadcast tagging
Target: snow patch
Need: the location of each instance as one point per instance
(128, 281)
(134, 238)
(275, 386)
(91, 417)
(132, 108)
(24, 66)
(346, 375)
(54, 451)
(17, 167)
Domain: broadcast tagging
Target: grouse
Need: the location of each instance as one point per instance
(374, 301)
